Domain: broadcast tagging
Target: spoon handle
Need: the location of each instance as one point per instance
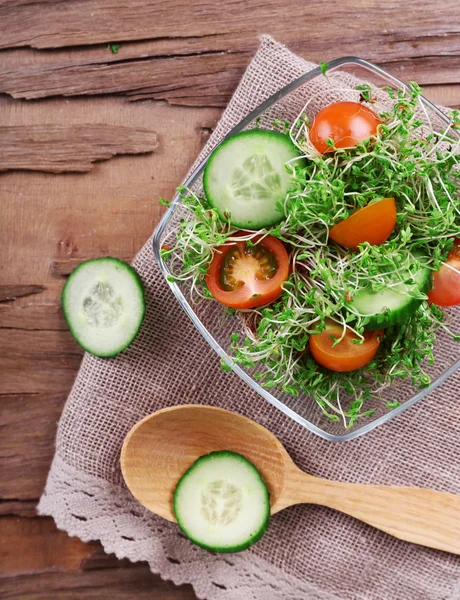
(421, 516)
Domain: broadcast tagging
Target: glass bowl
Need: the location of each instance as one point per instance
(309, 93)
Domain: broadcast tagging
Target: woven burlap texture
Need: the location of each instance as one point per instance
(309, 552)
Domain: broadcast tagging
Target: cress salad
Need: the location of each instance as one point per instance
(335, 242)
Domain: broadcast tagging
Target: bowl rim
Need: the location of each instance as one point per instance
(191, 179)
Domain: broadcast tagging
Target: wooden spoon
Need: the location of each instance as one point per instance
(161, 447)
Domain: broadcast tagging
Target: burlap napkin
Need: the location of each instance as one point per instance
(309, 552)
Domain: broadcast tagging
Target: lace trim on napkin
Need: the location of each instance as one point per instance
(91, 508)
(319, 554)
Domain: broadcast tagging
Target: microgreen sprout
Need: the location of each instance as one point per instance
(409, 160)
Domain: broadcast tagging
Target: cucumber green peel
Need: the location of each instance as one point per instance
(407, 161)
(245, 180)
(222, 503)
(396, 303)
(103, 304)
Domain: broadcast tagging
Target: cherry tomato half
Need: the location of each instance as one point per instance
(346, 355)
(246, 276)
(446, 282)
(347, 123)
(373, 223)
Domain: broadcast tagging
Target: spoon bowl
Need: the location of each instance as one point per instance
(160, 448)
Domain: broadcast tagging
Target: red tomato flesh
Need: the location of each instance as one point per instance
(242, 276)
(374, 224)
(346, 355)
(347, 123)
(446, 282)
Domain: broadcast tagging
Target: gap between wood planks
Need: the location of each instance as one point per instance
(202, 80)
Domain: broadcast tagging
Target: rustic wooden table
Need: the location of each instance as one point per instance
(81, 81)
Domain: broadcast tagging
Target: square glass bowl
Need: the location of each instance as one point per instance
(308, 94)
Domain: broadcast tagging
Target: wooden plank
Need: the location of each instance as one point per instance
(28, 428)
(37, 561)
(80, 22)
(445, 95)
(158, 78)
(429, 70)
(13, 292)
(33, 316)
(110, 211)
(38, 374)
(201, 80)
(18, 508)
(210, 79)
(199, 61)
(65, 266)
(49, 224)
(118, 584)
(32, 343)
(69, 148)
(43, 547)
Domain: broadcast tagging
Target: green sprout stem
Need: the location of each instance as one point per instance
(409, 160)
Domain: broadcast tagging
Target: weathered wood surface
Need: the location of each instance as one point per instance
(13, 292)
(197, 80)
(53, 565)
(187, 59)
(79, 22)
(123, 583)
(69, 148)
(198, 59)
(48, 225)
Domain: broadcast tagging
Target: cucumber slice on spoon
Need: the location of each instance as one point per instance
(103, 304)
(222, 503)
(245, 178)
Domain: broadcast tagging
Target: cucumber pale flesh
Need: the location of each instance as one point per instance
(395, 304)
(245, 178)
(103, 303)
(221, 503)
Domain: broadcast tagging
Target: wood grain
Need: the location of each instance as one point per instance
(39, 562)
(420, 516)
(112, 211)
(18, 508)
(205, 79)
(32, 316)
(187, 54)
(160, 448)
(43, 548)
(210, 78)
(69, 148)
(25, 375)
(13, 292)
(200, 64)
(65, 266)
(444, 95)
(81, 22)
(123, 583)
(28, 429)
(50, 224)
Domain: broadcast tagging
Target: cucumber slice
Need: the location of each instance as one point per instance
(103, 304)
(245, 177)
(221, 502)
(396, 304)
